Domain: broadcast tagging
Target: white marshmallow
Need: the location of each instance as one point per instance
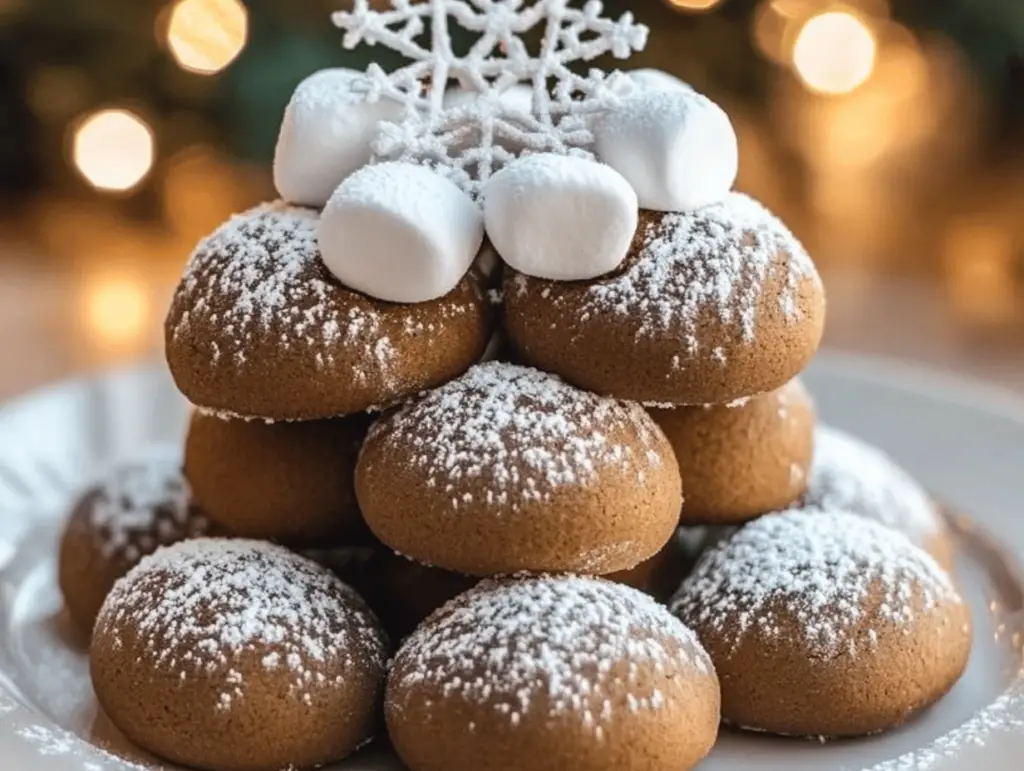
(400, 232)
(658, 80)
(677, 148)
(560, 217)
(325, 135)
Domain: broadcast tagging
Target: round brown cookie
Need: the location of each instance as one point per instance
(403, 593)
(135, 508)
(235, 655)
(745, 458)
(348, 563)
(259, 327)
(708, 306)
(660, 575)
(825, 624)
(290, 482)
(849, 474)
(552, 674)
(509, 469)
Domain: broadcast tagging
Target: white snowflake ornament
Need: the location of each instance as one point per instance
(468, 140)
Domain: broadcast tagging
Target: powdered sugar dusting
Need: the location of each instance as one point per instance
(578, 647)
(1004, 715)
(820, 569)
(141, 504)
(56, 742)
(260, 275)
(849, 474)
(717, 261)
(198, 607)
(513, 434)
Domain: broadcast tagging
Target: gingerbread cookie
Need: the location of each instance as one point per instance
(573, 674)
(259, 327)
(290, 482)
(742, 459)
(234, 655)
(825, 624)
(509, 469)
(137, 507)
(709, 306)
(849, 474)
(403, 593)
(660, 575)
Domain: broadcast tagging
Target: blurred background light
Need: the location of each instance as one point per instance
(116, 310)
(834, 52)
(113, 149)
(205, 36)
(694, 5)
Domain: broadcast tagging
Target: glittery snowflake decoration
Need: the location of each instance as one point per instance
(470, 139)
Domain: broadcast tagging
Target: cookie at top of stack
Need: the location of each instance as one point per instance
(259, 327)
(708, 306)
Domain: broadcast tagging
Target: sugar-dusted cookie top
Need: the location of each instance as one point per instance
(222, 653)
(849, 474)
(709, 305)
(825, 623)
(508, 468)
(564, 666)
(136, 506)
(259, 327)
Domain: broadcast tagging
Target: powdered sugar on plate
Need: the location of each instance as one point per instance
(1001, 716)
(141, 504)
(578, 647)
(849, 474)
(717, 261)
(199, 608)
(56, 742)
(821, 569)
(513, 434)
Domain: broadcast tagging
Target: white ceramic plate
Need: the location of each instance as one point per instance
(964, 441)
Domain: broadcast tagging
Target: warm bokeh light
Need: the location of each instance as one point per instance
(834, 52)
(116, 310)
(694, 5)
(113, 149)
(773, 22)
(979, 267)
(205, 36)
(202, 188)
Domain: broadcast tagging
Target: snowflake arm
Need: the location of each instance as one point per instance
(469, 142)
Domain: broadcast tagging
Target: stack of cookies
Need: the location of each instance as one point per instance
(517, 470)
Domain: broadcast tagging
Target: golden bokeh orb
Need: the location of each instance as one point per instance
(113, 149)
(834, 52)
(205, 36)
